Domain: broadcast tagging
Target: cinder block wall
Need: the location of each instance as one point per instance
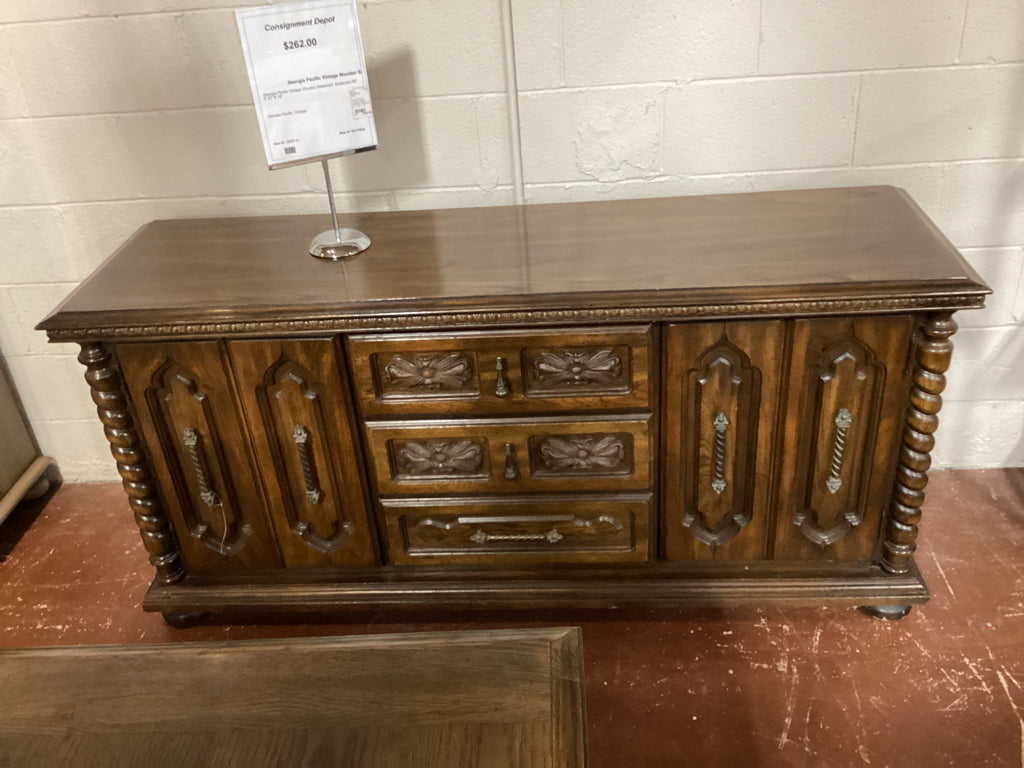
(116, 113)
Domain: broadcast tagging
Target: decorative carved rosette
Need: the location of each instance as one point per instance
(440, 457)
(112, 406)
(583, 453)
(577, 367)
(442, 371)
(932, 356)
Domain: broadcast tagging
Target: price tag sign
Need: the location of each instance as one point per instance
(308, 78)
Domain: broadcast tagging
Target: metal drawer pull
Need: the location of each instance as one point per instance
(301, 437)
(843, 421)
(721, 423)
(511, 473)
(501, 388)
(482, 537)
(190, 438)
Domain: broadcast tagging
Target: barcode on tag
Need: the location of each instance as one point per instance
(289, 150)
(360, 98)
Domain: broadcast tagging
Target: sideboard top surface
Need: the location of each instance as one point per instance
(845, 245)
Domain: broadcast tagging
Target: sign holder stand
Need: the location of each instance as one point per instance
(310, 89)
(337, 244)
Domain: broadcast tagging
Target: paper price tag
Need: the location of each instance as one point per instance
(308, 78)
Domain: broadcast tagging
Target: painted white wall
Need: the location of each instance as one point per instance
(116, 112)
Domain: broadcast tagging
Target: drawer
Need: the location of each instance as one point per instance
(502, 372)
(508, 456)
(584, 528)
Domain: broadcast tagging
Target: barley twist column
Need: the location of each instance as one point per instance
(931, 359)
(112, 405)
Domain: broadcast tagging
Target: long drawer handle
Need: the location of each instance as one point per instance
(511, 473)
(482, 537)
(501, 387)
(721, 423)
(190, 437)
(301, 438)
(843, 421)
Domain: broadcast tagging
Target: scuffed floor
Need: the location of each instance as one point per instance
(752, 686)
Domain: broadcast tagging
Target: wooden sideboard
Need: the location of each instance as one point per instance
(581, 405)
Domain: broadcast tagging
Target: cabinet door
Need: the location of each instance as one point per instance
(193, 432)
(300, 418)
(721, 396)
(846, 402)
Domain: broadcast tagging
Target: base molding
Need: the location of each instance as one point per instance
(583, 589)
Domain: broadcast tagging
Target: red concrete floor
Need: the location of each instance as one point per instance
(751, 686)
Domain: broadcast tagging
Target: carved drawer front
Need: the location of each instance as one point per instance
(505, 456)
(195, 436)
(502, 372)
(847, 398)
(298, 410)
(721, 395)
(520, 530)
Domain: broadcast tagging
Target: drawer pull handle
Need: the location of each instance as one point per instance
(843, 422)
(482, 537)
(301, 438)
(721, 423)
(501, 388)
(190, 437)
(511, 473)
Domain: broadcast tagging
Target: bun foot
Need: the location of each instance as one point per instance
(887, 612)
(183, 620)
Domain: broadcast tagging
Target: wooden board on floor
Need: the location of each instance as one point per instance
(475, 698)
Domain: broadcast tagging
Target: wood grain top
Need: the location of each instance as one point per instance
(763, 248)
(485, 698)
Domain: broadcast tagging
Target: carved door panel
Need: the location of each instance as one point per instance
(300, 416)
(847, 396)
(721, 394)
(187, 412)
